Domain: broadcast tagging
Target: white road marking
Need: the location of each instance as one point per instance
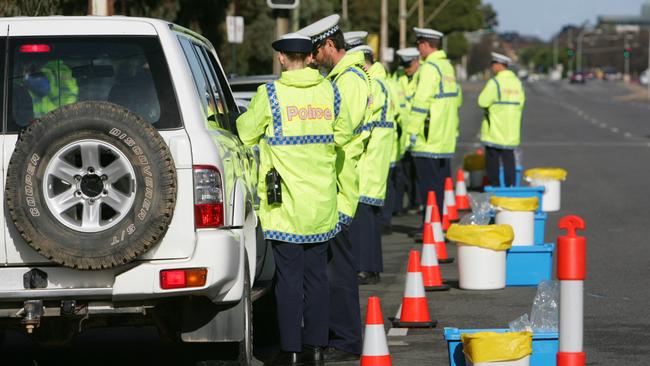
(397, 343)
(627, 134)
(603, 125)
(398, 332)
(614, 129)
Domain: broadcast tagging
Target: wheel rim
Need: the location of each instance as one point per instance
(89, 185)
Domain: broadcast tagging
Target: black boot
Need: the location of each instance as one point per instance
(312, 355)
(286, 358)
(335, 355)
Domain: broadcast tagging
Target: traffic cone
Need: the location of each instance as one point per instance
(450, 199)
(462, 201)
(431, 202)
(375, 347)
(430, 269)
(445, 217)
(415, 310)
(439, 239)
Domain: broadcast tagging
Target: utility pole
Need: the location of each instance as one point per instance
(402, 23)
(555, 52)
(101, 7)
(421, 13)
(383, 32)
(344, 9)
(570, 46)
(281, 28)
(626, 45)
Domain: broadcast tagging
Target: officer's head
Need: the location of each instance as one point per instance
(499, 63)
(411, 67)
(294, 51)
(327, 50)
(426, 46)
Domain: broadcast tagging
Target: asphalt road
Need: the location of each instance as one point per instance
(590, 130)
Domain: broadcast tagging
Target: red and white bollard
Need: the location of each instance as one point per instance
(571, 271)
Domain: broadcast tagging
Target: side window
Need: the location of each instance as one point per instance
(233, 108)
(49, 72)
(203, 87)
(221, 110)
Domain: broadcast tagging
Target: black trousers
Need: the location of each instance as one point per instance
(495, 157)
(344, 311)
(389, 201)
(432, 173)
(365, 236)
(302, 294)
(413, 191)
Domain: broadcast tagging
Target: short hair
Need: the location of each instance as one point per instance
(434, 43)
(369, 58)
(337, 39)
(295, 56)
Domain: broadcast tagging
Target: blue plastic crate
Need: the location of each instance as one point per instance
(529, 265)
(502, 179)
(545, 346)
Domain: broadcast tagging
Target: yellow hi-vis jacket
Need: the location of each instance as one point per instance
(396, 95)
(63, 88)
(356, 102)
(437, 97)
(375, 162)
(503, 98)
(294, 122)
(407, 85)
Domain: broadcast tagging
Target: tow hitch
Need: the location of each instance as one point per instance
(31, 312)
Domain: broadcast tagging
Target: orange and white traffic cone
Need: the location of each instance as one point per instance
(439, 238)
(431, 202)
(375, 347)
(415, 310)
(445, 217)
(450, 199)
(462, 201)
(430, 269)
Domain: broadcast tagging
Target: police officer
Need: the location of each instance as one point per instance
(503, 100)
(406, 177)
(433, 118)
(346, 71)
(373, 168)
(293, 121)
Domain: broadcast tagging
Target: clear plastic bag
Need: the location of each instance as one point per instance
(544, 314)
(480, 204)
(521, 324)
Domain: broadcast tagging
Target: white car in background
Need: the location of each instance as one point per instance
(128, 194)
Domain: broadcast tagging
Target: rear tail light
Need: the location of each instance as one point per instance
(183, 278)
(208, 197)
(35, 48)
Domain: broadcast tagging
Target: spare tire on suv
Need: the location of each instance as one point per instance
(91, 185)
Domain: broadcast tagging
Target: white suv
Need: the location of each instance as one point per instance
(128, 193)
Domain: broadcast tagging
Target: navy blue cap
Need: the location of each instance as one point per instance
(293, 42)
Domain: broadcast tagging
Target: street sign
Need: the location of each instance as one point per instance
(283, 4)
(235, 29)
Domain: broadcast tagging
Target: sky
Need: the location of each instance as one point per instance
(544, 18)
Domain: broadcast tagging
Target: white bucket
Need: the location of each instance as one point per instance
(476, 178)
(524, 361)
(481, 268)
(551, 196)
(522, 222)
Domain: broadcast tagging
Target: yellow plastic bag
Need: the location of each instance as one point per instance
(474, 162)
(497, 347)
(495, 237)
(546, 173)
(515, 203)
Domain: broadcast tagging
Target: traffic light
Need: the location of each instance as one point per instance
(282, 4)
(627, 52)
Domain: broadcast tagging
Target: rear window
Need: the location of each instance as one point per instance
(47, 73)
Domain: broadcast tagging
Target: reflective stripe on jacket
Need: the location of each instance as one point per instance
(436, 97)
(293, 121)
(503, 97)
(354, 86)
(375, 162)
